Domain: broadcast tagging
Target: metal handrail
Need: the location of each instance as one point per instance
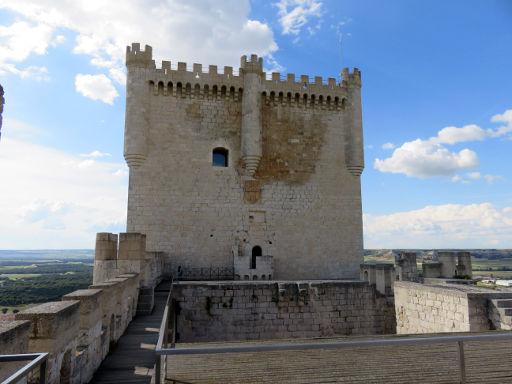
(330, 345)
(38, 359)
(163, 334)
(343, 344)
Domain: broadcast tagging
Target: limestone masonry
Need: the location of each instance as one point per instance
(244, 171)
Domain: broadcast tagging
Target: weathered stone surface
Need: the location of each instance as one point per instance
(294, 153)
(445, 308)
(242, 310)
(14, 336)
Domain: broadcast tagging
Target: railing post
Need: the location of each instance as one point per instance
(462, 363)
(42, 373)
(157, 369)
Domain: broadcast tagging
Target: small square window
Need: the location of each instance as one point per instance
(220, 157)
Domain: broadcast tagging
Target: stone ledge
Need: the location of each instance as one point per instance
(46, 319)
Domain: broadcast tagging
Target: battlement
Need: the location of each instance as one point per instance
(184, 80)
(138, 58)
(351, 79)
(254, 65)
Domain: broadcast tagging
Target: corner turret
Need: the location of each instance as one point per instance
(254, 65)
(252, 72)
(137, 58)
(354, 153)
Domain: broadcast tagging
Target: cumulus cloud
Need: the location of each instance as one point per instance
(96, 87)
(506, 118)
(95, 154)
(430, 158)
(295, 14)
(388, 146)
(478, 176)
(50, 195)
(216, 32)
(441, 226)
(423, 158)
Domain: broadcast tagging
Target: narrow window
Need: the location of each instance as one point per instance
(256, 251)
(220, 157)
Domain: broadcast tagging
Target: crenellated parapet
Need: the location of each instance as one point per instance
(137, 58)
(253, 65)
(351, 79)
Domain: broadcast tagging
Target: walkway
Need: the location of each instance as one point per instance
(132, 359)
(486, 362)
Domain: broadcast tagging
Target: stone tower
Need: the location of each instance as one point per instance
(232, 168)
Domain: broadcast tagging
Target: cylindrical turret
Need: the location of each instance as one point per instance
(251, 113)
(354, 152)
(137, 97)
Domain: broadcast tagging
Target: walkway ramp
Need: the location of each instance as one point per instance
(132, 359)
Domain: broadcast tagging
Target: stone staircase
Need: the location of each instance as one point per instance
(146, 301)
(500, 313)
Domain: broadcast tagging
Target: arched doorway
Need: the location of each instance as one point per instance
(256, 251)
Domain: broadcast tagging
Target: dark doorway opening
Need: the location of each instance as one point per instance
(256, 251)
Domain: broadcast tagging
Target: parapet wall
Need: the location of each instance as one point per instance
(14, 337)
(113, 258)
(77, 331)
(434, 308)
(275, 310)
(193, 82)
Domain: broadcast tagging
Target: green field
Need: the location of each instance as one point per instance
(31, 277)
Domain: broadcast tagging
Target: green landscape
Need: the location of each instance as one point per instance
(31, 277)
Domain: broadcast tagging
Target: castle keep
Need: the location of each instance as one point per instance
(245, 171)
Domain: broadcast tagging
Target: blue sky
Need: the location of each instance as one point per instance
(437, 106)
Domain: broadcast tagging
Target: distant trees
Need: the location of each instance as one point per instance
(56, 280)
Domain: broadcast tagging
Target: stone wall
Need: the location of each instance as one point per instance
(131, 257)
(443, 308)
(13, 340)
(77, 331)
(209, 311)
(291, 185)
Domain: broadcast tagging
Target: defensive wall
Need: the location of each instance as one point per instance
(77, 331)
(221, 311)
(450, 308)
(289, 185)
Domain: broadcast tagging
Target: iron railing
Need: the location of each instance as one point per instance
(166, 335)
(38, 360)
(205, 273)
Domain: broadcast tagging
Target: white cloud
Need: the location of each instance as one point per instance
(295, 14)
(96, 87)
(477, 176)
(15, 129)
(429, 158)
(95, 153)
(388, 146)
(506, 118)
(424, 159)
(216, 32)
(441, 226)
(53, 197)
(452, 135)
